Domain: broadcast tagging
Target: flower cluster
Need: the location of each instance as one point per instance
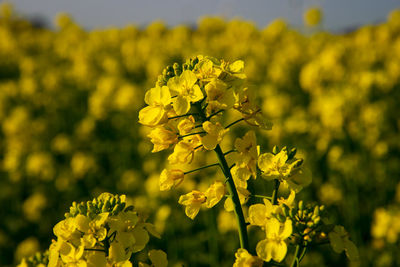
(101, 232)
(37, 260)
(185, 111)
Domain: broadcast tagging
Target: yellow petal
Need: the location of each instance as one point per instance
(188, 78)
(196, 94)
(287, 229)
(351, 250)
(158, 258)
(265, 161)
(152, 115)
(272, 228)
(192, 210)
(96, 259)
(209, 141)
(257, 214)
(264, 250)
(336, 242)
(181, 105)
(82, 223)
(141, 236)
(214, 194)
(236, 67)
(278, 251)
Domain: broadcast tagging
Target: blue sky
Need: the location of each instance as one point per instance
(338, 14)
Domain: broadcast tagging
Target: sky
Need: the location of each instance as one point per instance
(338, 14)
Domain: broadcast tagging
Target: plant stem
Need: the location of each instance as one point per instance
(237, 208)
(260, 196)
(181, 116)
(230, 151)
(233, 123)
(201, 168)
(244, 242)
(303, 253)
(296, 261)
(275, 192)
(215, 113)
(186, 135)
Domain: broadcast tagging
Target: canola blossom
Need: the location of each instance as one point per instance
(192, 88)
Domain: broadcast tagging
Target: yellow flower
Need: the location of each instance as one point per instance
(96, 259)
(243, 194)
(184, 150)
(215, 134)
(170, 178)
(247, 152)
(259, 214)
(233, 72)
(274, 246)
(287, 171)
(192, 201)
(214, 194)
(289, 202)
(186, 125)
(66, 229)
(187, 91)
(299, 178)
(117, 253)
(158, 258)
(206, 69)
(236, 67)
(219, 96)
(158, 100)
(274, 166)
(240, 176)
(162, 138)
(339, 240)
(70, 254)
(245, 259)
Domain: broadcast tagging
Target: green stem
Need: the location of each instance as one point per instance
(215, 113)
(237, 208)
(303, 253)
(186, 135)
(244, 242)
(296, 261)
(181, 116)
(260, 196)
(201, 168)
(275, 192)
(230, 151)
(233, 123)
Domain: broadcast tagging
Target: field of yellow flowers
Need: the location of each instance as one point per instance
(69, 107)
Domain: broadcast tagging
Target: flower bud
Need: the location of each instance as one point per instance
(82, 208)
(301, 205)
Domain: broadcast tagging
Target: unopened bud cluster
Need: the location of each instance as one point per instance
(113, 204)
(37, 260)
